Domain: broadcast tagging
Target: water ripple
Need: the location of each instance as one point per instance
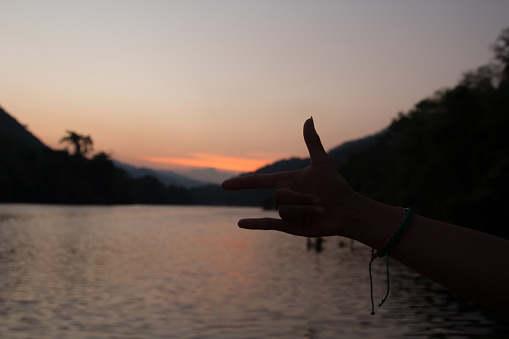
(189, 272)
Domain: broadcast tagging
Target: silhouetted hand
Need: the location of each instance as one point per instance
(316, 201)
(312, 201)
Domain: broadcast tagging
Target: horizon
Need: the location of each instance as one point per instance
(186, 86)
(199, 173)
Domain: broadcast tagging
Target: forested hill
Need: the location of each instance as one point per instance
(12, 133)
(448, 157)
(31, 172)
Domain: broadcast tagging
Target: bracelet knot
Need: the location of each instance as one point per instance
(386, 248)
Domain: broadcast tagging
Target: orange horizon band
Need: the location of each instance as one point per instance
(218, 162)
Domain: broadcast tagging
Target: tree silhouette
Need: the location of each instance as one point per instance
(82, 144)
(501, 47)
(501, 50)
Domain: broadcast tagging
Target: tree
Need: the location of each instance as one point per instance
(501, 50)
(501, 47)
(82, 144)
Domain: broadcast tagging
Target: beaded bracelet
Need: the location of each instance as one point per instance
(386, 248)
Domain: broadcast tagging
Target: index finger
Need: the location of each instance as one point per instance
(253, 181)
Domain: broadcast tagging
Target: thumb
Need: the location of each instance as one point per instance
(313, 143)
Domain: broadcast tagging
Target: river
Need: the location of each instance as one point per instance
(189, 272)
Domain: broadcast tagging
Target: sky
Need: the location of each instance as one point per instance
(193, 85)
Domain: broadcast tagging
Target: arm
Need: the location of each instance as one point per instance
(469, 262)
(316, 201)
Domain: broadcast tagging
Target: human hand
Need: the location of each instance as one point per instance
(312, 201)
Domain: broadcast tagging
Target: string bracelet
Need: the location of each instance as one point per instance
(408, 213)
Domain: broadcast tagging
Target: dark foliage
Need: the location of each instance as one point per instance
(448, 157)
(57, 177)
(149, 190)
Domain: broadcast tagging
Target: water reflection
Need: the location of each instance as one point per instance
(189, 272)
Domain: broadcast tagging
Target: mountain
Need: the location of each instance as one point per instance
(209, 175)
(166, 177)
(339, 155)
(16, 135)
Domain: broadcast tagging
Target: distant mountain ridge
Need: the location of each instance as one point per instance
(166, 177)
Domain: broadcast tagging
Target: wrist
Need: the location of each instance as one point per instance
(370, 222)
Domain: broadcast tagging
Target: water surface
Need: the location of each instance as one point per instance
(189, 272)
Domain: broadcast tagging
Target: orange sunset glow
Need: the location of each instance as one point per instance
(214, 161)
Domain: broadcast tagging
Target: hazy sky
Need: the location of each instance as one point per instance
(228, 84)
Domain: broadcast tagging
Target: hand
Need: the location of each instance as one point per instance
(312, 201)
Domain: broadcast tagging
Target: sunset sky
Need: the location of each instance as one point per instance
(186, 85)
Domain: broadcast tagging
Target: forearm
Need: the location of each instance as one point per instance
(471, 263)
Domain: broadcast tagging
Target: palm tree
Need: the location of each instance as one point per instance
(82, 144)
